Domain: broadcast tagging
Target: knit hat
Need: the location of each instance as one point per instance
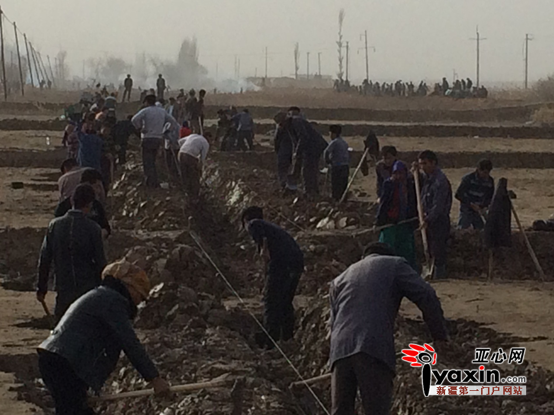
(129, 274)
(399, 166)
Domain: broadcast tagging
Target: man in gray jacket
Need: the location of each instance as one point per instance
(151, 121)
(74, 243)
(364, 304)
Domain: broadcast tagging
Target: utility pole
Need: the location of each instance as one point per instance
(43, 67)
(35, 60)
(19, 60)
(29, 62)
(51, 72)
(478, 39)
(307, 65)
(265, 63)
(319, 64)
(366, 58)
(296, 59)
(4, 80)
(347, 58)
(527, 39)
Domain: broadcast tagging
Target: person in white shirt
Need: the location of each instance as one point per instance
(151, 121)
(192, 155)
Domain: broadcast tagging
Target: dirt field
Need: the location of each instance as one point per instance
(193, 321)
(516, 308)
(534, 189)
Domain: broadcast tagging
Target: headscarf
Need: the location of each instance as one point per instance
(129, 274)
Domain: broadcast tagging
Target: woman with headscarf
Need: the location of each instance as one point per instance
(397, 206)
(85, 346)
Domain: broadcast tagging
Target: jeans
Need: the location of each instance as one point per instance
(126, 94)
(310, 174)
(171, 161)
(67, 389)
(339, 180)
(149, 154)
(243, 136)
(284, 163)
(282, 281)
(470, 219)
(371, 376)
(190, 170)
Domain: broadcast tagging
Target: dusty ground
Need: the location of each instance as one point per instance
(515, 308)
(18, 342)
(518, 308)
(534, 189)
(30, 140)
(32, 206)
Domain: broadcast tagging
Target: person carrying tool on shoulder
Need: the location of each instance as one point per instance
(84, 348)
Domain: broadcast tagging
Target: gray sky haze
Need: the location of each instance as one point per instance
(414, 39)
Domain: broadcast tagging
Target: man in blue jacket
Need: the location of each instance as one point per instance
(85, 346)
(475, 195)
(284, 265)
(436, 197)
(364, 305)
(74, 243)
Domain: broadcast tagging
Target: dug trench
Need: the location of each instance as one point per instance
(196, 330)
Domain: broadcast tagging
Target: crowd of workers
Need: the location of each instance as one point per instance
(96, 302)
(460, 88)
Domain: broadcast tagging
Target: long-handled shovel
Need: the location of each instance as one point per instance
(343, 198)
(217, 382)
(528, 244)
(429, 267)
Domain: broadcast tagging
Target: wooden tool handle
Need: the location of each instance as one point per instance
(311, 381)
(421, 217)
(175, 389)
(528, 244)
(343, 198)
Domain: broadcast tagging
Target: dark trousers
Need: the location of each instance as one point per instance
(149, 155)
(284, 163)
(67, 389)
(244, 140)
(310, 174)
(171, 161)
(161, 93)
(126, 94)
(280, 288)
(470, 219)
(438, 233)
(190, 169)
(371, 376)
(339, 180)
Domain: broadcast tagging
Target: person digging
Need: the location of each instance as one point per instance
(284, 266)
(84, 348)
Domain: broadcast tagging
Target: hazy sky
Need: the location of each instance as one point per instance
(414, 39)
